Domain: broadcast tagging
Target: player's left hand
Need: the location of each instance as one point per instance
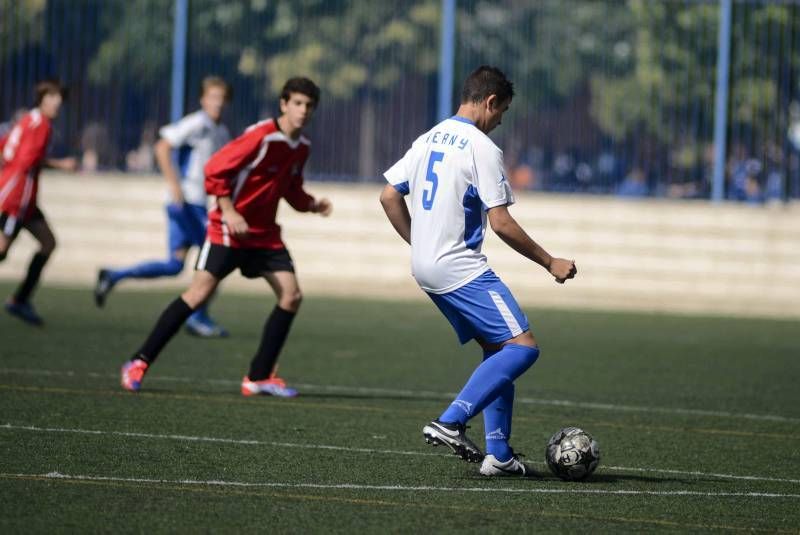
(69, 164)
(236, 223)
(563, 269)
(323, 207)
(63, 164)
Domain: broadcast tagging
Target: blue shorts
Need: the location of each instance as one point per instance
(187, 225)
(483, 308)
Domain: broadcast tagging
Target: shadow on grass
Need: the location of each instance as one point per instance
(595, 479)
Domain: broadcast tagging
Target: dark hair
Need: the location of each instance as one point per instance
(49, 87)
(216, 81)
(301, 85)
(485, 81)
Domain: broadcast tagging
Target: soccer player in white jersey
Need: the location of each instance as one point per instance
(195, 137)
(454, 178)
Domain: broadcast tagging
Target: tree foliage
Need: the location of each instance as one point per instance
(345, 46)
(21, 25)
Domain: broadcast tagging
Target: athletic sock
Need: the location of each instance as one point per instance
(497, 424)
(165, 328)
(276, 329)
(147, 270)
(488, 380)
(201, 314)
(25, 290)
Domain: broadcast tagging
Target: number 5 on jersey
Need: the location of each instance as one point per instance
(429, 194)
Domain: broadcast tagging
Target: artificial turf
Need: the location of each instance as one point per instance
(698, 420)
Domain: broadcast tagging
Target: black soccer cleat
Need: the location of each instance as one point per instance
(453, 436)
(25, 312)
(102, 287)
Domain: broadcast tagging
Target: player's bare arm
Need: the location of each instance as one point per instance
(396, 210)
(69, 164)
(505, 226)
(233, 219)
(163, 152)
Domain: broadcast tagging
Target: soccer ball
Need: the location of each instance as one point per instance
(572, 454)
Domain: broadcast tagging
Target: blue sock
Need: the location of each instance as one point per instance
(494, 374)
(148, 270)
(497, 423)
(201, 315)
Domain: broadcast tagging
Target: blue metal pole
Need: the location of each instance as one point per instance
(446, 60)
(721, 108)
(179, 59)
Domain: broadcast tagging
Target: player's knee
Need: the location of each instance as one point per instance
(291, 301)
(195, 297)
(525, 339)
(201, 289)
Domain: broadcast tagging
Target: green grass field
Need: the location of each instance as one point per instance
(698, 420)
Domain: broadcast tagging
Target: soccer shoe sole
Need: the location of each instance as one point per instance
(458, 447)
(101, 288)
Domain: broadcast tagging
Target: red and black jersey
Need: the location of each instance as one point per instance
(256, 170)
(24, 149)
(3, 141)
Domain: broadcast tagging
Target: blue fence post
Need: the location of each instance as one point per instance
(446, 60)
(721, 107)
(179, 59)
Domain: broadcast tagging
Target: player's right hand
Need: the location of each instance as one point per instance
(236, 223)
(563, 269)
(177, 197)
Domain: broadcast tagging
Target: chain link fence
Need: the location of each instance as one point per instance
(613, 97)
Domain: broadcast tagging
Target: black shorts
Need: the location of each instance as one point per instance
(220, 261)
(10, 225)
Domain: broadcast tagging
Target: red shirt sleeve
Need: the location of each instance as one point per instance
(32, 147)
(225, 164)
(296, 196)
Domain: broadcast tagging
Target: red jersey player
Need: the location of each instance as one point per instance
(248, 177)
(24, 151)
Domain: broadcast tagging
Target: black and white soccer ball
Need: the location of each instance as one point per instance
(572, 454)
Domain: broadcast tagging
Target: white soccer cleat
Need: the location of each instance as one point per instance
(512, 467)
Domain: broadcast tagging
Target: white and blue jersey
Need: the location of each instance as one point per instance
(196, 137)
(453, 174)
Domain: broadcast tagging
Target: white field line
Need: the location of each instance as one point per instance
(190, 438)
(431, 394)
(401, 488)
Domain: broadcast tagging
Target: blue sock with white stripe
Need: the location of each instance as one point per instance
(488, 381)
(148, 270)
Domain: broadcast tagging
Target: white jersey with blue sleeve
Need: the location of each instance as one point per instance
(196, 137)
(452, 174)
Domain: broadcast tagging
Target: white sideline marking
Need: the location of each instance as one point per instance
(403, 488)
(432, 394)
(190, 438)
